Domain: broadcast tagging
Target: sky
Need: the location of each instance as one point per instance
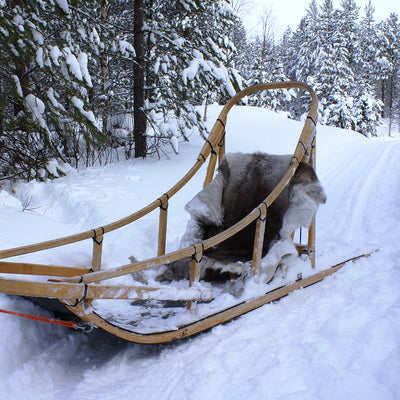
(289, 12)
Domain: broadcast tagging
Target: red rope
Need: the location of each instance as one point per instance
(68, 324)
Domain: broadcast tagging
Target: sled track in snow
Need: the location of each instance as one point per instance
(362, 195)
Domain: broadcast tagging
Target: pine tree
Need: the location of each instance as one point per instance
(368, 45)
(180, 50)
(188, 46)
(303, 52)
(44, 85)
(389, 65)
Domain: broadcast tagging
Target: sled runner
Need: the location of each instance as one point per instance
(165, 312)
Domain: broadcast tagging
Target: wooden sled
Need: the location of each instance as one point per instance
(164, 313)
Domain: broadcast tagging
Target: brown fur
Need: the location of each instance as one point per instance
(247, 180)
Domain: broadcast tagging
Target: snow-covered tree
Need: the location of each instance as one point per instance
(389, 65)
(44, 82)
(267, 65)
(188, 50)
(325, 52)
(164, 58)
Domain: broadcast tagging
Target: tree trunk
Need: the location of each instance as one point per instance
(139, 117)
(104, 69)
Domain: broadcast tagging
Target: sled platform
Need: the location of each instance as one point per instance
(163, 313)
(146, 327)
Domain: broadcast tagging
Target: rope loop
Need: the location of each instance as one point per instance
(305, 149)
(194, 256)
(312, 120)
(212, 148)
(222, 123)
(78, 301)
(261, 211)
(295, 158)
(98, 242)
(164, 208)
(87, 327)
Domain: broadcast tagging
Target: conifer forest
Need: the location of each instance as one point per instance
(89, 82)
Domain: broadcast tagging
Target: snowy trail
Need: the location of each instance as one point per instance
(339, 339)
(363, 204)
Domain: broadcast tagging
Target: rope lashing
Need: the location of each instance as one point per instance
(261, 211)
(222, 123)
(221, 143)
(212, 148)
(194, 256)
(305, 149)
(295, 158)
(85, 289)
(98, 242)
(162, 202)
(312, 120)
(66, 324)
(201, 155)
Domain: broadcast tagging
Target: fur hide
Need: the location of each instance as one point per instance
(243, 181)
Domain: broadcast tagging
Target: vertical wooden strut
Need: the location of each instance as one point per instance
(311, 230)
(221, 146)
(195, 269)
(97, 248)
(217, 152)
(259, 241)
(162, 225)
(211, 166)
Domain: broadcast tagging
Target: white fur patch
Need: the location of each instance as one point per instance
(282, 252)
(303, 204)
(206, 206)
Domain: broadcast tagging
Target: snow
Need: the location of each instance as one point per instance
(83, 63)
(63, 4)
(338, 339)
(78, 103)
(126, 48)
(39, 57)
(35, 106)
(73, 63)
(18, 85)
(55, 54)
(51, 94)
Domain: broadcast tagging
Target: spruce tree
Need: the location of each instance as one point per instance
(44, 85)
(389, 66)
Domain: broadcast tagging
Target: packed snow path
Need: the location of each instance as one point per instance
(339, 339)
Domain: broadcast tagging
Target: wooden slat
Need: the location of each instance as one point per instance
(162, 226)
(73, 291)
(97, 249)
(210, 170)
(312, 228)
(195, 269)
(259, 242)
(221, 149)
(7, 267)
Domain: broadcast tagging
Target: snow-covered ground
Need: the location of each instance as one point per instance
(339, 339)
